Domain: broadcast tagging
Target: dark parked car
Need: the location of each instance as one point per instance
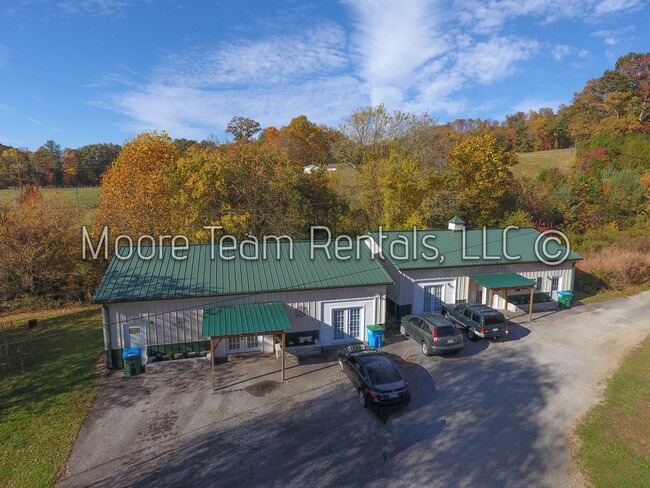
(434, 333)
(379, 383)
(479, 321)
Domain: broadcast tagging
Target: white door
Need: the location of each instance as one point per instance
(433, 298)
(243, 344)
(135, 335)
(556, 282)
(346, 323)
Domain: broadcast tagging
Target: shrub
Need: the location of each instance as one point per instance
(618, 267)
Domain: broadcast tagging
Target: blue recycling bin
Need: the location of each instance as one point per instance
(375, 335)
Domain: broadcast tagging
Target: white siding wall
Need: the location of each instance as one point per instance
(408, 280)
(180, 320)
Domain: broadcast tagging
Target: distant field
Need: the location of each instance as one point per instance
(85, 198)
(530, 164)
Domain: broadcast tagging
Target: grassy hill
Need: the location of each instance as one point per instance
(85, 198)
(530, 164)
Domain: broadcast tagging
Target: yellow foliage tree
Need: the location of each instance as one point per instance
(479, 174)
(135, 195)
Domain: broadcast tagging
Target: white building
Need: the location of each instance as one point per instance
(159, 304)
(457, 265)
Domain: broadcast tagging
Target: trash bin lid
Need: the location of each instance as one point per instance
(565, 293)
(376, 328)
(131, 352)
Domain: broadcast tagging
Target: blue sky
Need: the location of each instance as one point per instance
(88, 71)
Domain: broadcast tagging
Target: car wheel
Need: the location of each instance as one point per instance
(340, 365)
(362, 399)
(425, 349)
(402, 331)
(470, 334)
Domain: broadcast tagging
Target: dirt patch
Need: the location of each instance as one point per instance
(262, 388)
(162, 425)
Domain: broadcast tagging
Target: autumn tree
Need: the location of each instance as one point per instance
(479, 173)
(14, 165)
(135, 196)
(242, 128)
(46, 161)
(70, 167)
(39, 247)
(93, 160)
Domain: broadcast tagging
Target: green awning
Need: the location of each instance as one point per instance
(258, 318)
(502, 280)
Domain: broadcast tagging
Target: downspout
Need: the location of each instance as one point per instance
(107, 338)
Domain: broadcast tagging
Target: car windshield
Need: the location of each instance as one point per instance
(493, 320)
(446, 330)
(382, 371)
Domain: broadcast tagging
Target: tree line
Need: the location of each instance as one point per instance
(380, 167)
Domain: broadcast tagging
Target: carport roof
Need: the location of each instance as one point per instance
(258, 318)
(502, 280)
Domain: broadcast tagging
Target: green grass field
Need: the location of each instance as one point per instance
(47, 387)
(85, 198)
(530, 164)
(615, 434)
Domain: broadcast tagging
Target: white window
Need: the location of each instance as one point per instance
(555, 283)
(433, 298)
(252, 342)
(346, 321)
(234, 343)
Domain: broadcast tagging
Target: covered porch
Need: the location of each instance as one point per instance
(257, 319)
(496, 282)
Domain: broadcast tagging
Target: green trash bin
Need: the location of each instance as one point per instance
(564, 298)
(132, 361)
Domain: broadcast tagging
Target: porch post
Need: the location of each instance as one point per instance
(212, 359)
(283, 354)
(490, 297)
(469, 287)
(530, 309)
(506, 298)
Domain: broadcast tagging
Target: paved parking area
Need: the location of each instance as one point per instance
(498, 414)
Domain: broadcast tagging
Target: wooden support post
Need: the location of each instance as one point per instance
(530, 309)
(469, 288)
(212, 348)
(490, 297)
(506, 298)
(283, 354)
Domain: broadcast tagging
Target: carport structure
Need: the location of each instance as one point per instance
(503, 281)
(257, 319)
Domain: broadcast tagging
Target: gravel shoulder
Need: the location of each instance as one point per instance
(499, 414)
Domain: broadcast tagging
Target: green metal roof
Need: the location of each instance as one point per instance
(409, 248)
(136, 279)
(456, 220)
(502, 280)
(258, 318)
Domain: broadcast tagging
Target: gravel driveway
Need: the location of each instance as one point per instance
(499, 414)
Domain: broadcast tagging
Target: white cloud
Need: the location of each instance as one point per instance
(490, 16)
(393, 41)
(38, 122)
(92, 7)
(423, 56)
(611, 6)
(561, 51)
(196, 93)
(318, 51)
(613, 37)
